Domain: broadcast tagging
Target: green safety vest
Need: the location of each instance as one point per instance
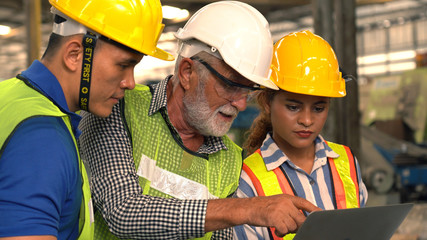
(343, 171)
(159, 157)
(19, 102)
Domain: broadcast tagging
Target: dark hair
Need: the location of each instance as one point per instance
(53, 45)
(262, 124)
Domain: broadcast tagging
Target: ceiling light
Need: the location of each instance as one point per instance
(4, 30)
(378, 58)
(174, 13)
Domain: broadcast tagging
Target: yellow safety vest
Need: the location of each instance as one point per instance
(343, 171)
(20, 102)
(157, 153)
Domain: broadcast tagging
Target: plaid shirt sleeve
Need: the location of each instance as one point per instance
(223, 234)
(106, 149)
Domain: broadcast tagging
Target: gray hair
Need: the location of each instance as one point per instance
(202, 72)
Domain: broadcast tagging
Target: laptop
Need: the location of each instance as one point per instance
(368, 223)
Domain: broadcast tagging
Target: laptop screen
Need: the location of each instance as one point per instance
(368, 223)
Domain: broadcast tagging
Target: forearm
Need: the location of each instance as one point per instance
(226, 213)
(234, 208)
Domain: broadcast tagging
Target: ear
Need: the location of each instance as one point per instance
(73, 54)
(185, 69)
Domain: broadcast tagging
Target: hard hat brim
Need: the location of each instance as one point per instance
(162, 54)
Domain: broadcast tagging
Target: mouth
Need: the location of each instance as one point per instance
(229, 113)
(227, 116)
(304, 134)
(116, 99)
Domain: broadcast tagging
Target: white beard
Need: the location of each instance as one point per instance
(201, 117)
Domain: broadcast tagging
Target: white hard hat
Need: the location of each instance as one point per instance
(240, 34)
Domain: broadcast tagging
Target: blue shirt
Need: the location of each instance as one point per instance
(40, 180)
(315, 186)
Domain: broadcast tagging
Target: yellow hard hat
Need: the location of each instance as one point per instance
(305, 63)
(136, 24)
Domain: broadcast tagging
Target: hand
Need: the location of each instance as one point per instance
(283, 212)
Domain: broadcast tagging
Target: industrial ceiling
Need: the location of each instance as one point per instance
(282, 15)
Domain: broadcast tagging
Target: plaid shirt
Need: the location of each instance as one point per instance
(106, 149)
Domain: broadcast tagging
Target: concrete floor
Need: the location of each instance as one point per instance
(414, 227)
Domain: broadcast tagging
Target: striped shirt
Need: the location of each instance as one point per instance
(316, 187)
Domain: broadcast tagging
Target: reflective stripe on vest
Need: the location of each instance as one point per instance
(344, 175)
(20, 102)
(267, 183)
(164, 168)
(343, 171)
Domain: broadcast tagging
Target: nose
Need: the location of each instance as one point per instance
(128, 82)
(305, 118)
(240, 103)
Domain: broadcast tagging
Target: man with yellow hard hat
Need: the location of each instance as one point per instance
(88, 65)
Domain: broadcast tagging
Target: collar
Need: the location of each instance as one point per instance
(41, 78)
(274, 157)
(159, 101)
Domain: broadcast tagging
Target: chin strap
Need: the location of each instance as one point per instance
(89, 42)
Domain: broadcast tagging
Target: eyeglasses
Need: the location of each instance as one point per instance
(228, 89)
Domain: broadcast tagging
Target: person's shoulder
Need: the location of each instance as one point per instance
(255, 156)
(335, 145)
(230, 143)
(39, 172)
(140, 87)
(44, 137)
(321, 140)
(138, 94)
(41, 146)
(46, 126)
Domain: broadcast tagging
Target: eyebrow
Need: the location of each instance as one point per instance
(133, 61)
(130, 60)
(299, 102)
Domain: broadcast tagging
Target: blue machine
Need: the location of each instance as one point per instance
(410, 172)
